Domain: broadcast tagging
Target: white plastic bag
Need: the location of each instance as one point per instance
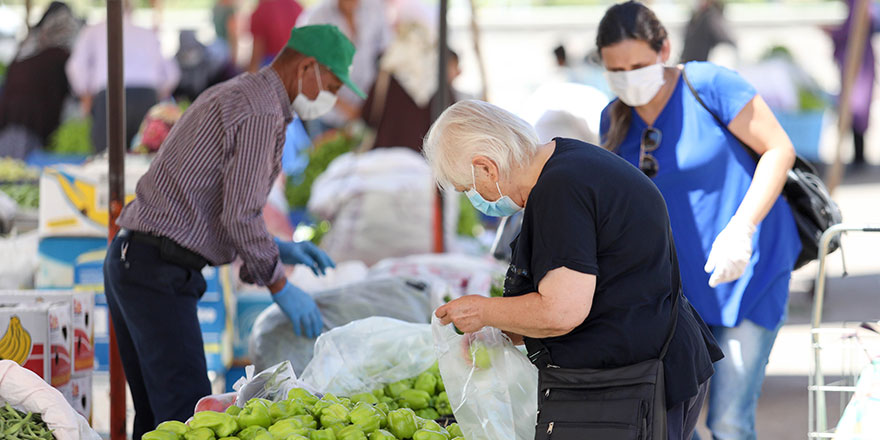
(25, 391)
(273, 340)
(272, 384)
(861, 419)
(498, 402)
(367, 354)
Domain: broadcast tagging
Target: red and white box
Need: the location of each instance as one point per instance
(38, 336)
(82, 310)
(81, 394)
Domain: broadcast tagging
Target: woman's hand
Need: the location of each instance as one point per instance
(465, 312)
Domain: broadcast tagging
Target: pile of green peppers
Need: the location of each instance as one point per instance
(404, 410)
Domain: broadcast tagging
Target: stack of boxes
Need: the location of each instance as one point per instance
(51, 333)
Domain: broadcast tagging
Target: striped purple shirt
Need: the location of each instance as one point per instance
(207, 187)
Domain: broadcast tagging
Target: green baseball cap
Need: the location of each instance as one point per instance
(329, 46)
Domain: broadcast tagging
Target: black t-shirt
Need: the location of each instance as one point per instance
(592, 212)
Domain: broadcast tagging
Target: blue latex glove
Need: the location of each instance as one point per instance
(304, 253)
(301, 309)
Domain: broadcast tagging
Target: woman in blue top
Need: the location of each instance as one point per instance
(736, 238)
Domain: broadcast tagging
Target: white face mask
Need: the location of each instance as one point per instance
(637, 87)
(308, 109)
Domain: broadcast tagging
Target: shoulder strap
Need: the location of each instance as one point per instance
(717, 119)
(676, 293)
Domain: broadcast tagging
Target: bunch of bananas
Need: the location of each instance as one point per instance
(15, 345)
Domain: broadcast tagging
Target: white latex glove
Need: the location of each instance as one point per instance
(731, 252)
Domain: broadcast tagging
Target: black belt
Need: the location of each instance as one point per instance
(169, 250)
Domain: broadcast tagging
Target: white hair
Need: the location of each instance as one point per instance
(475, 128)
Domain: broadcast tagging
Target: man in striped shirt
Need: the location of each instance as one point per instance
(201, 204)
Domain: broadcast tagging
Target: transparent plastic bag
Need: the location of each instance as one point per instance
(493, 392)
(273, 340)
(272, 384)
(367, 354)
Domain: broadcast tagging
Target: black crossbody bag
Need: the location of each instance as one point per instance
(809, 199)
(626, 403)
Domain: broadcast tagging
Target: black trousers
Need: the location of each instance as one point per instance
(153, 307)
(138, 101)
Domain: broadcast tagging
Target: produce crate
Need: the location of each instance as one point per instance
(38, 337)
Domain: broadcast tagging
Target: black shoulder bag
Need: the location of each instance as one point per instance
(626, 403)
(807, 195)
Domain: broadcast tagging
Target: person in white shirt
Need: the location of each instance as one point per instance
(365, 23)
(149, 76)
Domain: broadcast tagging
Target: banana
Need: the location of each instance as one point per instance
(15, 345)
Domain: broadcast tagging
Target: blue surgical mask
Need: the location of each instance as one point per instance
(503, 207)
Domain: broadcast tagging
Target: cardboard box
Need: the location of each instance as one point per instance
(38, 337)
(74, 198)
(58, 258)
(81, 394)
(82, 308)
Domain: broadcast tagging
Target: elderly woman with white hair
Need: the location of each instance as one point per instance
(593, 282)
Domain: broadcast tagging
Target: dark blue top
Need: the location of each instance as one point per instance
(593, 213)
(704, 175)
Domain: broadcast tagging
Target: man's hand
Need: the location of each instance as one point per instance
(301, 309)
(465, 312)
(304, 253)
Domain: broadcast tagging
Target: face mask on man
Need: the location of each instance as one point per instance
(503, 207)
(309, 109)
(637, 87)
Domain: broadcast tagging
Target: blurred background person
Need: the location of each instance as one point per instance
(364, 22)
(398, 106)
(225, 18)
(863, 88)
(36, 85)
(735, 235)
(200, 66)
(706, 29)
(271, 23)
(149, 76)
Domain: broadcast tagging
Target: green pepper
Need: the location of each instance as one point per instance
(394, 389)
(382, 435)
(384, 409)
(221, 423)
(336, 427)
(424, 434)
(432, 425)
(335, 413)
(434, 369)
(174, 426)
(322, 434)
(283, 428)
(254, 414)
(233, 410)
(440, 385)
(157, 435)
(379, 393)
(426, 382)
(402, 423)
(200, 434)
(307, 421)
(296, 437)
(265, 402)
(454, 430)
(428, 413)
(229, 438)
(415, 399)
(351, 432)
(252, 432)
(479, 354)
(366, 417)
(365, 397)
(285, 409)
(441, 403)
(302, 395)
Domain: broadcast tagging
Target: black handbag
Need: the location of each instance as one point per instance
(626, 403)
(809, 199)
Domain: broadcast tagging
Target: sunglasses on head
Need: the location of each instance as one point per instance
(651, 138)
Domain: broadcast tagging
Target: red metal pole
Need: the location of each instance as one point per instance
(116, 149)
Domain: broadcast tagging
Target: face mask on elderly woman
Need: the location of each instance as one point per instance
(503, 207)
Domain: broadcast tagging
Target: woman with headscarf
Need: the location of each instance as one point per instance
(36, 85)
